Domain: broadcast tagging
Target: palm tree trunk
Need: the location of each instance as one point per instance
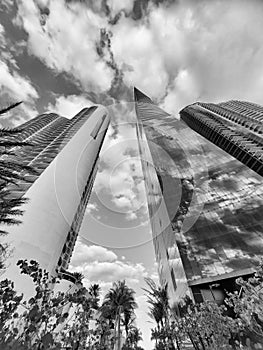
(115, 333)
(196, 347)
(119, 332)
(177, 343)
(202, 343)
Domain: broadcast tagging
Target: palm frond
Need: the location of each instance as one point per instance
(8, 108)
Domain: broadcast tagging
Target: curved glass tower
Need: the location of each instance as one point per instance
(205, 206)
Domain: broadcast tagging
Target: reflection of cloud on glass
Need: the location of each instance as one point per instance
(225, 182)
(227, 235)
(91, 207)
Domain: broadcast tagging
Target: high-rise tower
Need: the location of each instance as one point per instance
(205, 207)
(234, 126)
(64, 152)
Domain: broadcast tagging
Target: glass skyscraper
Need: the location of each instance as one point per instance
(205, 206)
(234, 126)
(64, 152)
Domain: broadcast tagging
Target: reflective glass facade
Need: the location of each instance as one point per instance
(234, 126)
(213, 201)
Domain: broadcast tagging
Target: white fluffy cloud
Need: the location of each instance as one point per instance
(212, 51)
(2, 30)
(91, 207)
(112, 271)
(68, 106)
(135, 45)
(22, 113)
(194, 50)
(64, 37)
(182, 51)
(16, 85)
(99, 264)
(85, 254)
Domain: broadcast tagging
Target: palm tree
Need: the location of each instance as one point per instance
(159, 302)
(94, 292)
(104, 332)
(128, 320)
(159, 309)
(134, 336)
(8, 108)
(78, 277)
(157, 313)
(118, 302)
(155, 335)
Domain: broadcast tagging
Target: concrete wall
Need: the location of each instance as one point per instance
(53, 201)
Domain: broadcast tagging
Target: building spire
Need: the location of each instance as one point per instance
(141, 97)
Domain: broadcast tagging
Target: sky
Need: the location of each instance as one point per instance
(63, 55)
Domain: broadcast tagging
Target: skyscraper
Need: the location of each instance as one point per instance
(205, 207)
(235, 126)
(64, 152)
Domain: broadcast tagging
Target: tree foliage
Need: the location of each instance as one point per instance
(237, 324)
(159, 310)
(248, 306)
(132, 339)
(118, 307)
(207, 326)
(60, 320)
(48, 320)
(12, 171)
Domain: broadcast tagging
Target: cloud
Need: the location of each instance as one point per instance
(17, 86)
(113, 271)
(131, 215)
(5, 45)
(68, 106)
(6, 5)
(2, 31)
(84, 254)
(209, 53)
(91, 207)
(14, 87)
(179, 52)
(100, 264)
(72, 51)
(23, 113)
(185, 51)
(155, 277)
(135, 46)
